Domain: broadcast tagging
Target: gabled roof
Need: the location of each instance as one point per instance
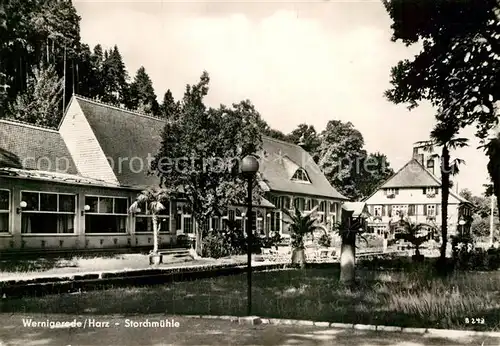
(53, 176)
(125, 134)
(25, 146)
(413, 174)
(131, 137)
(275, 168)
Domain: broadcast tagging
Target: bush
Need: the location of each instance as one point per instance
(325, 240)
(272, 241)
(225, 243)
(467, 257)
(183, 240)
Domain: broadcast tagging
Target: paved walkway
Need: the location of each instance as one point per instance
(116, 331)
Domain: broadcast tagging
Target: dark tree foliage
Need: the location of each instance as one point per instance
(213, 141)
(169, 109)
(142, 94)
(307, 137)
(456, 69)
(458, 65)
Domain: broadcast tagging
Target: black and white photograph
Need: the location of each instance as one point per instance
(278, 172)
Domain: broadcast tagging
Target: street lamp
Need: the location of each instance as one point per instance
(249, 167)
(461, 223)
(22, 205)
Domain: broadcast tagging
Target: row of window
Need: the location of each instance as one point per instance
(425, 191)
(409, 210)
(45, 213)
(303, 204)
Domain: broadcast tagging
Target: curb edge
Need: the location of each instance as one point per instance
(357, 326)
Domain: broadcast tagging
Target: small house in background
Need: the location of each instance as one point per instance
(414, 192)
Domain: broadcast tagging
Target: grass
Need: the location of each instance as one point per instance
(410, 299)
(26, 268)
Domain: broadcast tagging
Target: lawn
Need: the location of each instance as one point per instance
(13, 269)
(385, 298)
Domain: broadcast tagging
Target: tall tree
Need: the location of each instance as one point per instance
(372, 171)
(114, 78)
(142, 93)
(306, 136)
(493, 153)
(340, 153)
(169, 109)
(457, 68)
(444, 135)
(39, 103)
(209, 142)
(96, 77)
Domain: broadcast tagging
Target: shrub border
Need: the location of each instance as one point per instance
(442, 333)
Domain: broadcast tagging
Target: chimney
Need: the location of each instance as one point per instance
(418, 156)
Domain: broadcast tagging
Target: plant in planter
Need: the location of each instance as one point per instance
(349, 229)
(414, 233)
(301, 224)
(153, 200)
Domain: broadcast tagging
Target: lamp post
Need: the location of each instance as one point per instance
(461, 223)
(249, 167)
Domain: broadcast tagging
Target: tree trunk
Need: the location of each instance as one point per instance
(199, 240)
(348, 258)
(155, 234)
(200, 224)
(445, 179)
(299, 257)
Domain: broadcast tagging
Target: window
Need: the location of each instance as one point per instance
(276, 221)
(377, 210)
(429, 191)
(108, 215)
(430, 163)
(4, 210)
(322, 206)
(260, 222)
(48, 213)
(144, 220)
(285, 202)
(301, 176)
(216, 223)
(431, 210)
(183, 219)
(411, 210)
(404, 210)
(398, 210)
(239, 219)
(333, 208)
(299, 203)
(314, 203)
(391, 192)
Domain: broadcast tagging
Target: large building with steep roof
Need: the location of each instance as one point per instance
(414, 192)
(71, 188)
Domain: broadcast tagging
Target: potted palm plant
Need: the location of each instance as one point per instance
(414, 233)
(349, 228)
(301, 224)
(153, 199)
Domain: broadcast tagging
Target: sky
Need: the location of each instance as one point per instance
(298, 62)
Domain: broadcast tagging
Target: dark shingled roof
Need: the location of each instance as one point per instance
(276, 160)
(25, 146)
(125, 135)
(413, 174)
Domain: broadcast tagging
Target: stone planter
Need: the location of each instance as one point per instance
(299, 257)
(155, 259)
